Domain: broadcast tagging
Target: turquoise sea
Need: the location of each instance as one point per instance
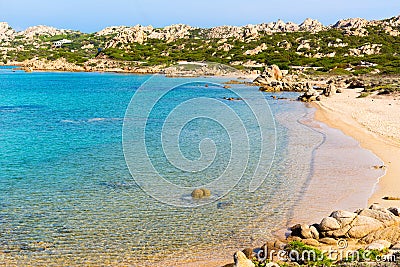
(68, 198)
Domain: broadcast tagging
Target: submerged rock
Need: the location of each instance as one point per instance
(201, 193)
(224, 204)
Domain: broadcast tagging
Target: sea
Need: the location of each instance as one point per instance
(97, 169)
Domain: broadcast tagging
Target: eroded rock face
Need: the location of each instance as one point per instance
(256, 50)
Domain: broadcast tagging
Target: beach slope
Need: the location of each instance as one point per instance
(375, 122)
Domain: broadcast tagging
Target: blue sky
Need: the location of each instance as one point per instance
(90, 15)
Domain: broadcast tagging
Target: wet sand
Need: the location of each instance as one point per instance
(341, 176)
(373, 121)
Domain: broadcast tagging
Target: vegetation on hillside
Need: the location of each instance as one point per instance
(330, 50)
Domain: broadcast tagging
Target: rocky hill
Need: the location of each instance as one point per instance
(348, 46)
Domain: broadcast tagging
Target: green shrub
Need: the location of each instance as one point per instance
(363, 94)
(309, 256)
(340, 71)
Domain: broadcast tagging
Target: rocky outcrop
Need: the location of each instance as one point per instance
(369, 49)
(253, 31)
(273, 80)
(172, 32)
(310, 94)
(6, 32)
(375, 228)
(256, 50)
(140, 34)
(311, 25)
(60, 64)
(104, 65)
(353, 23)
(40, 30)
(111, 30)
(353, 27)
(272, 72)
(365, 225)
(225, 47)
(125, 36)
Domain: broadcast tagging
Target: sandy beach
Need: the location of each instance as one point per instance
(375, 123)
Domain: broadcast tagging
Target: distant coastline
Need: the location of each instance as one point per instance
(351, 46)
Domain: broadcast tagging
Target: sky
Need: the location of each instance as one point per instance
(91, 15)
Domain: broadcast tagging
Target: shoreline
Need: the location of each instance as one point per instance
(383, 146)
(122, 67)
(241, 76)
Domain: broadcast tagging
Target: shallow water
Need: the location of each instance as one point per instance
(68, 197)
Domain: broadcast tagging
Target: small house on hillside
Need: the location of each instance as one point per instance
(60, 43)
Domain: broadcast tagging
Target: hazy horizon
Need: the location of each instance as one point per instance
(92, 16)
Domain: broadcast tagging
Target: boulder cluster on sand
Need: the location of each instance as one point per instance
(364, 225)
(374, 228)
(315, 89)
(273, 80)
(313, 94)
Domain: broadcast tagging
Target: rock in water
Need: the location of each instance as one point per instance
(197, 193)
(241, 260)
(201, 193)
(206, 192)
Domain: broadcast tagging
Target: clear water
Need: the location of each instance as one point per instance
(68, 198)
